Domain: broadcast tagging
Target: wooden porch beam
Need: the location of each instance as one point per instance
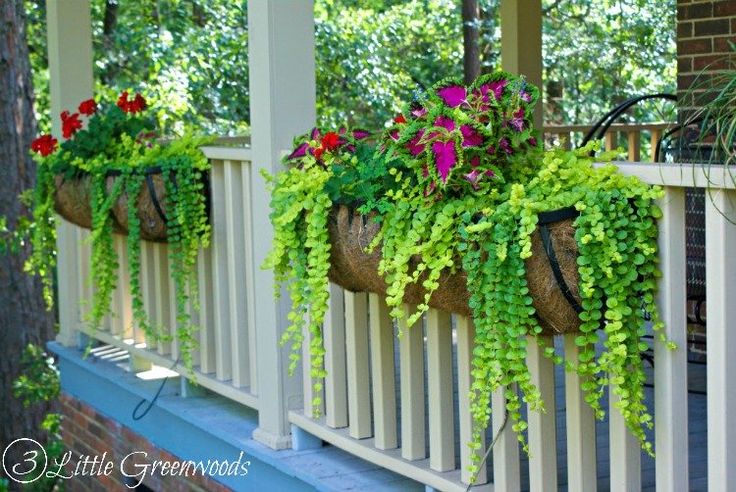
(521, 43)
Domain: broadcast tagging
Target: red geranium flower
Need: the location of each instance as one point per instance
(88, 107)
(400, 119)
(330, 141)
(44, 145)
(70, 124)
(123, 101)
(318, 152)
(138, 104)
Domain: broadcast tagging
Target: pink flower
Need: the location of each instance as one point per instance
(473, 177)
(505, 145)
(418, 112)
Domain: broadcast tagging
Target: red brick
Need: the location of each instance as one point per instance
(733, 26)
(724, 8)
(684, 65)
(695, 11)
(711, 62)
(684, 30)
(712, 27)
(697, 46)
(721, 45)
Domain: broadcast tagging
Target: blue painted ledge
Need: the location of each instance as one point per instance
(212, 427)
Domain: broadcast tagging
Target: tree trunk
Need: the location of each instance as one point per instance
(23, 315)
(471, 40)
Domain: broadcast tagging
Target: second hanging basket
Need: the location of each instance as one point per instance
(551, 272)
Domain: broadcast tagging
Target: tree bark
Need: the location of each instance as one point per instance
(471, 40)
(23, 315)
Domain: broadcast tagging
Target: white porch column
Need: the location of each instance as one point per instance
(282, 105)
(70, 73)
(521, 43)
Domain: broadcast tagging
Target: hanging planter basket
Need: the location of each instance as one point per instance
(73, 197)
(551, 272)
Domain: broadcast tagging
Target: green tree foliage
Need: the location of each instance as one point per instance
(371, 55)
(599, 53)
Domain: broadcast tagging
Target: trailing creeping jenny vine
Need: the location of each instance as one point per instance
(112, 156)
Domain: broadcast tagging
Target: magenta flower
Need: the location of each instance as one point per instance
(471, 138)
(360, 134)
(445, 158)
(532, 141)
(314, 135)
(418, 112)
(517, 124)
(491, 150)
(473, 177)
(475, 161)
(453, 95)
(505, 145)
(300, 151)
(413, 145)
(445, 123)
(525, 96)
(394, 134)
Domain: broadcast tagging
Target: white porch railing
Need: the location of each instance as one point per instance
(225, 361)
(633, 137)
(369, 370)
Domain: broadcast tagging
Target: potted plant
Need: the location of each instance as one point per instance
(446, 209)
(111, 175)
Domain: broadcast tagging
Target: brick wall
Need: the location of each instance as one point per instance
(87, 433)
(704, 29)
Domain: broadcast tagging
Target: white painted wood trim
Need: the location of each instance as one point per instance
(220, 271)
(465, 330)
(356, 343)
(161, 313)
(625, 451)
(542, 426)
(670, 369)
(240, 155)
(236, 274)
(580, 422)
(680, 175)
(720, 243)
(206, 312)
(506, 460)
(382, 373)
(440, 387)
(390, 459)
(411, 373)
(336, 385)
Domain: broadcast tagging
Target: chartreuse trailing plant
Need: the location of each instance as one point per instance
(300, 206)
(115, 147)
(458, 181)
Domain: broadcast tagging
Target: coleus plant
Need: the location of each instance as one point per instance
(459, 139)
(118, 141)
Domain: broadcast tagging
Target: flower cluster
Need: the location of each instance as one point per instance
(462, 137)
(71, 123)
(135, 105)
(317, 146)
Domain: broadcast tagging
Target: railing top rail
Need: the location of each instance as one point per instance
(227, 153)
(622, 127)
(705, 175)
